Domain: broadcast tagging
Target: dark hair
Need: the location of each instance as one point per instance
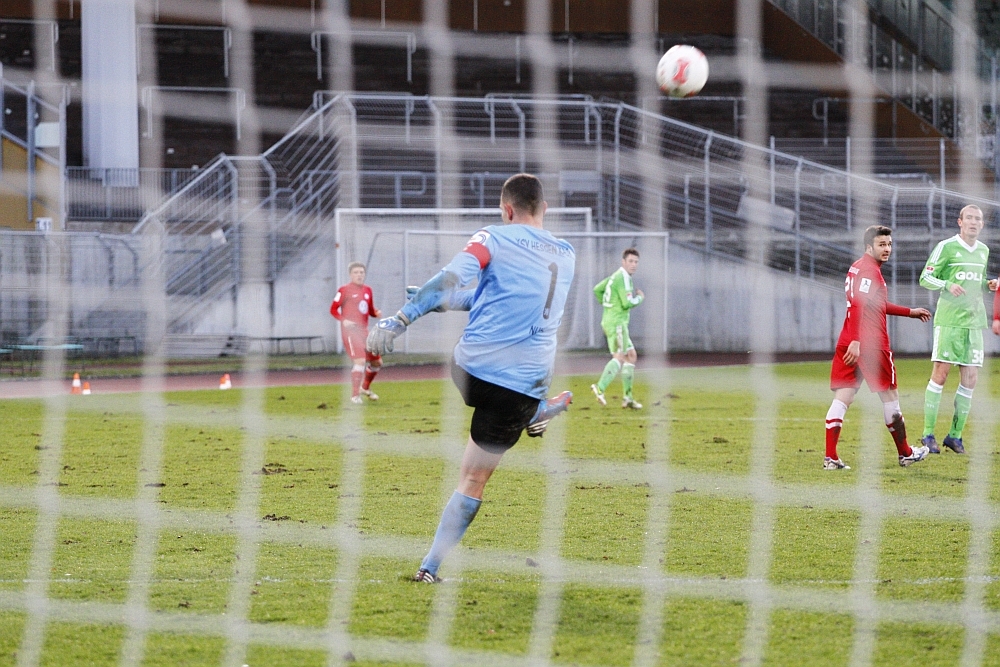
(873, 231)
(630, 251)
(523, 192)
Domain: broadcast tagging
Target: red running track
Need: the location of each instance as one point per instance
(566, 365)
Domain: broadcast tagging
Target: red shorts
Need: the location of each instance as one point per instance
(354, 342)
(873, 367)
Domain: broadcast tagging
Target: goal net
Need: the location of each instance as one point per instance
(407, 247)
(184, 175)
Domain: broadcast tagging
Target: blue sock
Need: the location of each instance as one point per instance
(541, 406)
(456, 517)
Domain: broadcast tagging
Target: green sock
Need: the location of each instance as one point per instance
(610, 371)
(932, 401)
(628, 372)
(963, 403)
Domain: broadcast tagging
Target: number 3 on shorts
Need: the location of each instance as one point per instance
(977, 357)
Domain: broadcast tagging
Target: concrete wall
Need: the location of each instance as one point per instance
(711, 302)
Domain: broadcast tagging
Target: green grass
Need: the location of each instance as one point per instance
(113, 367)
(391, 465)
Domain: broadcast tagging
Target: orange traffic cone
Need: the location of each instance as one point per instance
(76, 384)
(225, 382)
(86, 389)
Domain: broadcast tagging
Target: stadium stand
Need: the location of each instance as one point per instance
(390, 156)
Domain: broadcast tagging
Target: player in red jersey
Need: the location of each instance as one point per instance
(352, 306)
(863, 351)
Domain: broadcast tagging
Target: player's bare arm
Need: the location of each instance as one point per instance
(853, 353)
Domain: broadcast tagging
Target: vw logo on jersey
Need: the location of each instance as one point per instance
(363, 307)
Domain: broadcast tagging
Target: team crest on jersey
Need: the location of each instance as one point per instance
(866, 284)
(363, 307)
(480, 237)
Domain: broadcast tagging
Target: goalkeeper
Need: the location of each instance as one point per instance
(504, 361)
(618, 296)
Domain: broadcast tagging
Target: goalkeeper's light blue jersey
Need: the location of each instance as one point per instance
(524, 278)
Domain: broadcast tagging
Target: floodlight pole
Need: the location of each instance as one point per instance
(708, 186)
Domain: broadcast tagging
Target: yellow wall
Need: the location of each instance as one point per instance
(14, 185)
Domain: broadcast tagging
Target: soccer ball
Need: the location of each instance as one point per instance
(682, 71)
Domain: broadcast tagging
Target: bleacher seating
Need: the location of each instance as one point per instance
(285, 78)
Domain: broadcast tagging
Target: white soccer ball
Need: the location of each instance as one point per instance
(682, 71)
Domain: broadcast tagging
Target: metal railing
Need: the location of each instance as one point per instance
(238, 101)
(358, 150)
(917, 160)
(118, 194)
(290, 189)
(39, 128)
(102, 273)
(227, 40)
(913, 70)
(381, 37)
(926, 24)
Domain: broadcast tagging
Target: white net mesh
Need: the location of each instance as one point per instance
(686, 533)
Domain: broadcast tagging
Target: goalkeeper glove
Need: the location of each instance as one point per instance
(380, 339)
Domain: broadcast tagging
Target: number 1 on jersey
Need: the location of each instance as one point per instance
(552, 290)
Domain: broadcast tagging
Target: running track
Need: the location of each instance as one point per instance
(568, 365)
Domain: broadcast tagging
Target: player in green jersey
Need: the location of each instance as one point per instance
(618, 296)
(957, 269)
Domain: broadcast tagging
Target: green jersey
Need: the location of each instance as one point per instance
(955, 263)
(618, 296)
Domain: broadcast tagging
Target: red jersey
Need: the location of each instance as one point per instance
(996, 305)
(353, 304)
(867, 306)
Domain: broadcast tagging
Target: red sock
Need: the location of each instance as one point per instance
(356, 376)
(832, 437)
(370, 374)
(898, 431)
(834, 420)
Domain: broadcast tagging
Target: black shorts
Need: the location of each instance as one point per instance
(500, 413)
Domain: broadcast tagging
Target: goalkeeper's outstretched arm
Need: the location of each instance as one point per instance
(438, 293)
(459, 300)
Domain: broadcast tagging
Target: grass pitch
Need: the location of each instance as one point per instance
(609, 503)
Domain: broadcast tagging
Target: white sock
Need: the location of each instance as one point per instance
(835, 415)
(934, 387)
(890, 410)
(964, 391)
